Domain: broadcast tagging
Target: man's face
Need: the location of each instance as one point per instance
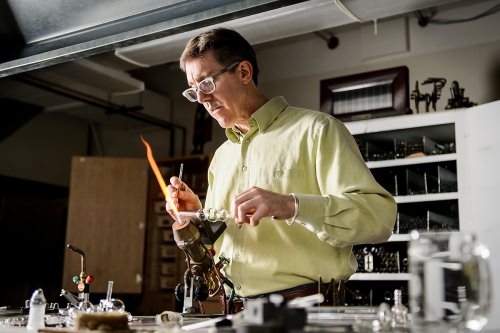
(224, 104)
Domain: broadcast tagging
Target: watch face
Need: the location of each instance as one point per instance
(367, 95)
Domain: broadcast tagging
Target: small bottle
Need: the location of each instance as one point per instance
(399, 311)
(36, 318)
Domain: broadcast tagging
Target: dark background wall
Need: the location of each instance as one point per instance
(32, 234)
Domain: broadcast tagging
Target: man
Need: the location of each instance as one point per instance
(294, 179)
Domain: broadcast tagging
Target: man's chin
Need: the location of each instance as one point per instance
(224, 124)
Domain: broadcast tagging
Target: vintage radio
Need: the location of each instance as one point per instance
(367, 95)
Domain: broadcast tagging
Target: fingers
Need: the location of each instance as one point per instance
(174, 187)
(184, 198)
(242, 207)
(170, 211)
(177, 183)
(174, 194)
(250, 216)
(252, 205)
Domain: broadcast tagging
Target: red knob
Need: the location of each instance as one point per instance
(89, 279)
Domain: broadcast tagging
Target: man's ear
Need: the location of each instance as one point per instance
(245, 71)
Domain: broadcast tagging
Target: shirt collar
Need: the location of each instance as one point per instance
(261, 119)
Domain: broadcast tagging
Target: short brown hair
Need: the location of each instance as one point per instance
(228, 47)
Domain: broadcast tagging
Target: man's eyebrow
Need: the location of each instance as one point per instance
(198, 79)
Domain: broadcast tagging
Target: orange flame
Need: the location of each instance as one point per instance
(161, 182)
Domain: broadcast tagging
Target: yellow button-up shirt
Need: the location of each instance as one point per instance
(312, 154)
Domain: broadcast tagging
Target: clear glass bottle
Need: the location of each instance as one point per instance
(399, 311)
(36, 317)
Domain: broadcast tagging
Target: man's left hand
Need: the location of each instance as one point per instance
(252, 205)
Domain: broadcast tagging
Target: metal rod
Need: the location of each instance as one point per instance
(69, 296)
(110, 291)
(82, 255)
(180, 179)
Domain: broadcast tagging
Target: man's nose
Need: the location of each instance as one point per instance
(202, 97)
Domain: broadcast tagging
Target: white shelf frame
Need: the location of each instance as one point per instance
(380, 277)
(477, 158)
(456, 117)
(412, 161)
(426, 197)
(412, 122)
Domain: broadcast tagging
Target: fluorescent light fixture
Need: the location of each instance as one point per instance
(284, 22)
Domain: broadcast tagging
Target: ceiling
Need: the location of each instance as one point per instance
(48, 40)
(44, 33)
(150, 32)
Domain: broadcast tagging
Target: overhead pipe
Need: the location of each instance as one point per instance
(112, 108)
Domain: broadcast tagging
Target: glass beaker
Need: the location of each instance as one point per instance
(450, 280)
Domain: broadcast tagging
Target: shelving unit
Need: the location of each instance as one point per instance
(165, 262)
(417, 158)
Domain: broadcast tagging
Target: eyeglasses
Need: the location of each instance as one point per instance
(206, 86)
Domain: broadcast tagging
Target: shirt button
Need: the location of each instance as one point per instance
(247, 140)
(236, 256)
(238, 287)
(244, 168)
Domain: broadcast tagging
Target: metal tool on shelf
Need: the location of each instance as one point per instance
(432, 98)
(458, 99)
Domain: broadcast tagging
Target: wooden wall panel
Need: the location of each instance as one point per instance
(106, 219)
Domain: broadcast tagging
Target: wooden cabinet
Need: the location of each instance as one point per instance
(107, 220)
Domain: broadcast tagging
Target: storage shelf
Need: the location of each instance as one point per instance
(380, 277)
(429, 170)
(412, 161)
(426, 197)
(405, 123)
(166, 263)
(399, 238)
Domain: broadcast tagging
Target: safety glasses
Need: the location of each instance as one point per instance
(206, 86)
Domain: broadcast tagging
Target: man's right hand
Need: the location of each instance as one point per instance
(183, 196)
